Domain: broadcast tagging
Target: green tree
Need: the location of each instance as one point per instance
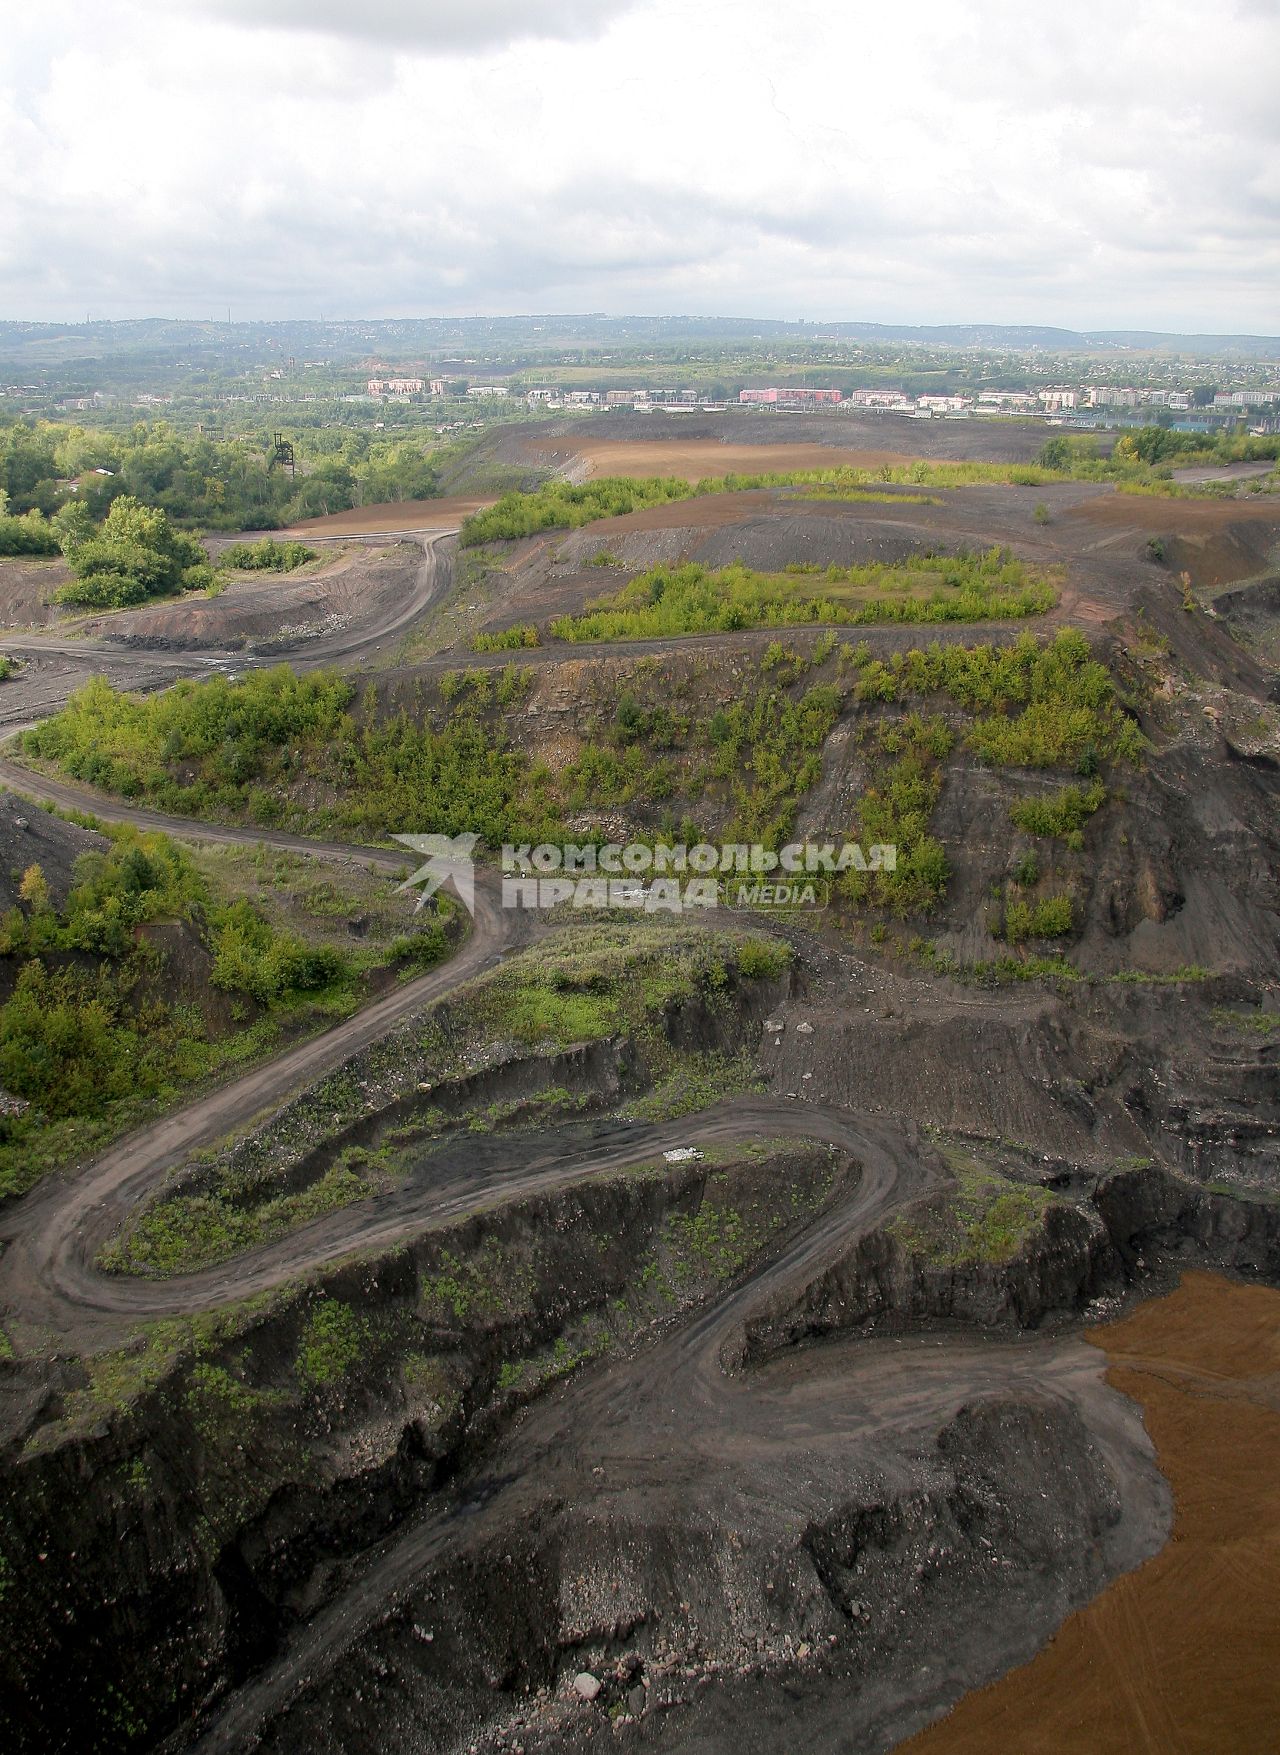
(137, 554)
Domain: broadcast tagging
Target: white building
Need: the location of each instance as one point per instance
(403, 387)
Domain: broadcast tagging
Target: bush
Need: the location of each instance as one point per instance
(763, 959)
(252, 957)
(136, 555)
(31, 534)
(218, 749)
(513, 639)
(1051, 917)
(1059, 813)
(561, 506)
(267, 555)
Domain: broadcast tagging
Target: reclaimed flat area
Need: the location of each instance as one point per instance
(446, 513)
(669, 454)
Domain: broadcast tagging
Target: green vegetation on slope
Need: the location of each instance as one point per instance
(513, 639)
(1063, 813)
(1046, 917)
(1067, 708)
(281, 749)
(93, 1037)
(587, 984)
(1139, 463)
(560, 505)
(985, 1217)
(691, 599)
(224, 750)
(895, 810)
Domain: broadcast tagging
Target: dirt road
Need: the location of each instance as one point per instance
(651, 1441)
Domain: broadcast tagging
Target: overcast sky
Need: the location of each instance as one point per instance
(1093, 164)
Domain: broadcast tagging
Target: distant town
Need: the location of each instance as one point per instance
(1089, 405)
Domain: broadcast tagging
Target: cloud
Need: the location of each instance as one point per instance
(426, 26)
(954, 163)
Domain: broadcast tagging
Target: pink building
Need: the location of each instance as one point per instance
(788, 394)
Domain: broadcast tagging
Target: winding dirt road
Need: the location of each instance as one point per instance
(672, 1411)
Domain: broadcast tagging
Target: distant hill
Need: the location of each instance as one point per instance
(32, 346)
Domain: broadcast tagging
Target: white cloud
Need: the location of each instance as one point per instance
(960, 161)
(433, 26)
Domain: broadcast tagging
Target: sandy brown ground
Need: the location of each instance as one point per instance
(446, 513)
(694, 458)
(1181, 1657)
(26, 591)
(1190, 517)
(1094, 540)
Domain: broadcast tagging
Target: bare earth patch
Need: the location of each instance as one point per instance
(1181, 1654)
(446, 513)
(26, 592)
(695, 458)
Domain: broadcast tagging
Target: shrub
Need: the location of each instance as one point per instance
(561, 505)
(222, 749)
(268, 555)
(1059, 813)
(32, 534)
(763, 959)
(512, 639)
(1051, 917)
(136, 555)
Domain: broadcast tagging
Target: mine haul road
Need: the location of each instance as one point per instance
(673, 1407)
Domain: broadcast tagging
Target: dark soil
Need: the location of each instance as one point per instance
(30, 836)
(777, 1446)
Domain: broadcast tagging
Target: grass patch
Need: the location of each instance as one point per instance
(514, 639)
(333, 1340)
(189, 1232)
(1252, 1022)
(496, 1283)
(625, 980)
(985, 1217)
(691, 599)
(697, 1082)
